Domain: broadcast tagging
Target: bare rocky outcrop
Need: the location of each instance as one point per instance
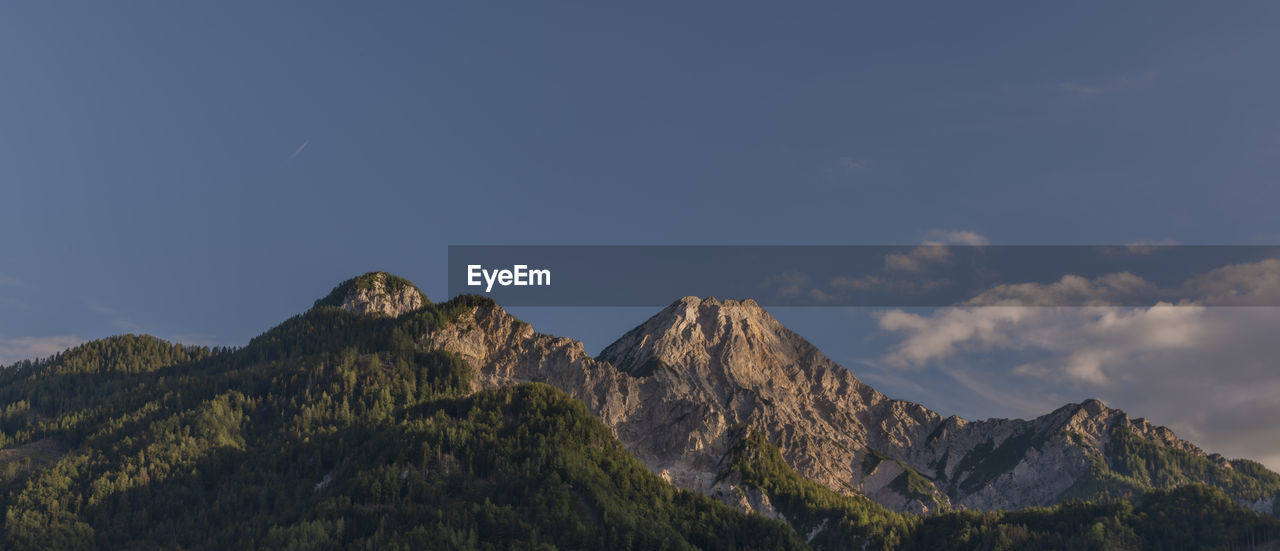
(746, 369)
(678, 389)
(376, 293)
(678, 386)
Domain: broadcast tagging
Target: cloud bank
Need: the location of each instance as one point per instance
(1208, 372)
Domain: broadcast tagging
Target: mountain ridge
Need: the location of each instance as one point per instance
(714, 364)
(346, 426)
(675, 387)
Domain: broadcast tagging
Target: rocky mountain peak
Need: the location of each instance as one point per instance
(1093, 406)
(679, 389)
(711, 316)
(691, 304)
(376, 293)
(719, 364)
(697, 331)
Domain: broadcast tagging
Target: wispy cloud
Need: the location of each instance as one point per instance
(1242, 284)
(794, 284)
(23, 348)
(8, 280)
(118, 321)
(878, 283)
(904, 273)
(1109, 289)
(917, 259)
(955, 237)
(1081, 89)
(1167, 242)
(1149, 247)
(933, 251)
(1000, 317)
(851, 163)
(1115, 84)
(99, 307)
(297, 151)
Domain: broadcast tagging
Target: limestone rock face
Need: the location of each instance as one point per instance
(735, 365)
(688, 377)
(679, 389)
(377, 293)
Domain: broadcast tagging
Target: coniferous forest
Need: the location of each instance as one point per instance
(337, 431)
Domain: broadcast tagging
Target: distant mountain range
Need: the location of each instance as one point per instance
(380, 419)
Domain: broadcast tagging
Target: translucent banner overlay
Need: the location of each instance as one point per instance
(871, 275)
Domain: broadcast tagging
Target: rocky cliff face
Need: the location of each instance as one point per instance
(678, 388)
(1006, 464)
(376, 293)
(743, 367)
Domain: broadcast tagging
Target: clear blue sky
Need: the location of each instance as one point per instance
(202, 172)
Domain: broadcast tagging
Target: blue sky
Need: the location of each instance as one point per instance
(203, 172)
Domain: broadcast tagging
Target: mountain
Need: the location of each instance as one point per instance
(328, 431)
(378, 419)
(676, 387)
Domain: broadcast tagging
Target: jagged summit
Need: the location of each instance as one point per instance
(678, 388)
(1094, 406)
(701, 331)
(376, 293)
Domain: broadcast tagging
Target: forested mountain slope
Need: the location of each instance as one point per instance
(330, 431)
(350, 426)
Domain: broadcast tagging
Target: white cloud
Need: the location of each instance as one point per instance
(1204, 368)
(1207, 372)
(955, 237)
(1105, 290)
(933, 251)
(917, 259)
(1245, 284)
(30, 348)
(1087, 340)
(948, 331)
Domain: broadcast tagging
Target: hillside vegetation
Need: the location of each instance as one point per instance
(327, 432)
(1193, 516)
(338, 431)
